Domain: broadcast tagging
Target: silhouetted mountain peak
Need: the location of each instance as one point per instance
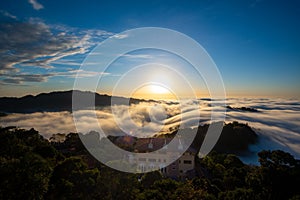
(57, 101)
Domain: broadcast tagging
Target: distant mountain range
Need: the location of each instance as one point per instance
(58, 101)
(62, 101)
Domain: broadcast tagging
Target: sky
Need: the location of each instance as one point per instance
(254, 44)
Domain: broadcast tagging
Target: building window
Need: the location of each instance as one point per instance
(142, 167)
(187, 162)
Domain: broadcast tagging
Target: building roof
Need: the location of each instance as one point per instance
(153, 144)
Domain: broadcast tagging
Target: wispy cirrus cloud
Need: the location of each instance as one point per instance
(36, 5)
(120, 36)
(8, 15)
(21, 78)
(16, 79)
(36, 44)
(33, 43)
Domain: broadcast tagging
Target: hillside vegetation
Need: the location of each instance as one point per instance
(34, 168)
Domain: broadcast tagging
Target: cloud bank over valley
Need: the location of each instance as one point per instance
(276, 120)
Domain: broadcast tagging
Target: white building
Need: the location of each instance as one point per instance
(165, 160)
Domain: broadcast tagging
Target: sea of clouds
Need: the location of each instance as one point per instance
(276, 122)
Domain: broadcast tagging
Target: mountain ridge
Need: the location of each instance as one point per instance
(59, 101)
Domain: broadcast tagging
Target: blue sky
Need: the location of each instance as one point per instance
(255, 44)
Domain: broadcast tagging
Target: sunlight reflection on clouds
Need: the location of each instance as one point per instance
(276, 122)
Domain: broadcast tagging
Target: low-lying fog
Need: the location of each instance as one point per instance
(276, 122)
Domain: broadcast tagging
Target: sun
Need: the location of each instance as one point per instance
(156, 89)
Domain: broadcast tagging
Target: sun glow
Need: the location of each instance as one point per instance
(156, 89)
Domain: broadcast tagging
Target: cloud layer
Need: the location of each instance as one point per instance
(23, 42)
(36, 5)
(35, 44)
(277, 121)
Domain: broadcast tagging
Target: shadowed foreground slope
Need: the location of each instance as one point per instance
(31, 168)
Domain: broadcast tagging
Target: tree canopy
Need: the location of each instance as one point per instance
(31, 167)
